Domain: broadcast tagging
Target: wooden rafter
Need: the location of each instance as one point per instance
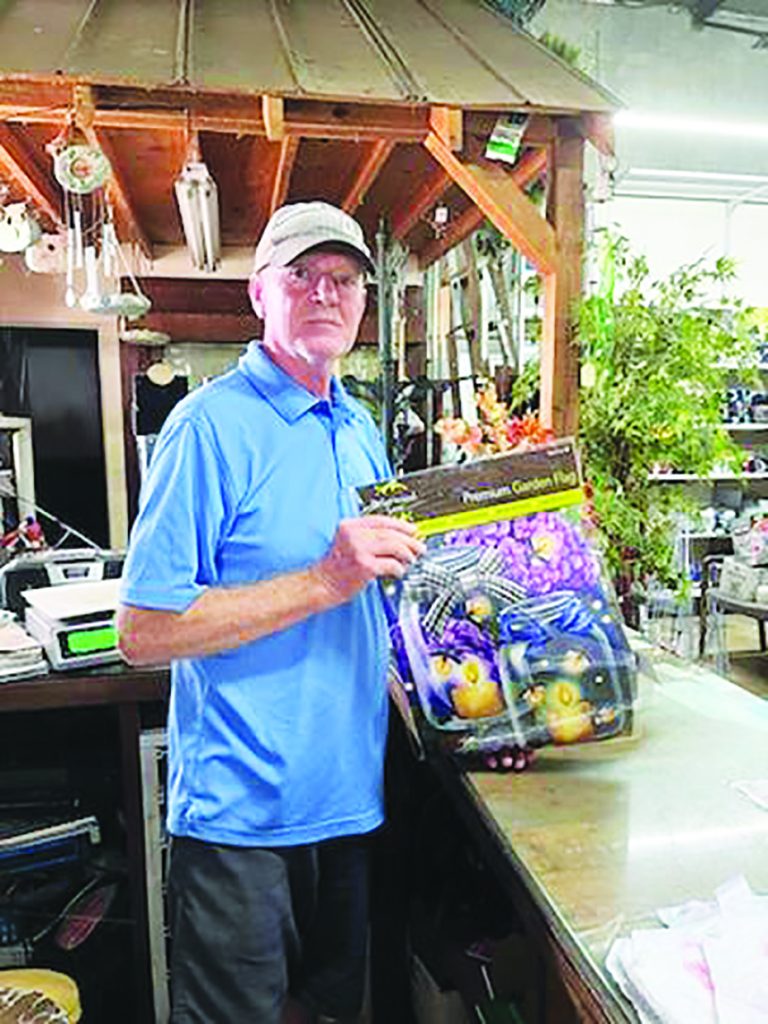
(448, 124)
(127, 108)
(531, 165)
(289, 147)
(375, 158)
(408, 215)
(504, 203)
(117, 190)
(274, 117)
(598, 129)
(18, 162)
(559, 358)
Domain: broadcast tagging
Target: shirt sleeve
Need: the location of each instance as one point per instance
(184, 510)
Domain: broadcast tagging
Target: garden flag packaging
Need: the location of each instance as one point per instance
(506, 631)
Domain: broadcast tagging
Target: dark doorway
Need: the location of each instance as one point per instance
(52, 376)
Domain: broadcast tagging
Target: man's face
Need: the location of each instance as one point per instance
(312, 308)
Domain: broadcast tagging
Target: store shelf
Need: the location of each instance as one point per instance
(746, 428)
(707, 535)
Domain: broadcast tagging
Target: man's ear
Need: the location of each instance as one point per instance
(254, 294)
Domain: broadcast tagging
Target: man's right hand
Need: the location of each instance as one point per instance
(366, 548)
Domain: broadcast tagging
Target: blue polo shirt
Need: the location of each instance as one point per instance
(280, 741)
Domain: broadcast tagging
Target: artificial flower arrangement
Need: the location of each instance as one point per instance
(505, 634)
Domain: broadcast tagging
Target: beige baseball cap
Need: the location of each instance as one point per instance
(297, 227)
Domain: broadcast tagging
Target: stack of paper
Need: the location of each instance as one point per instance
(20, 654)
(709, 965)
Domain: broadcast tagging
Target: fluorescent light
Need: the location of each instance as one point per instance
(661, 172)
(691, 125)
(198, 200)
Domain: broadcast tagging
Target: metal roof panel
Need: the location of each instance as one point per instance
(446, 71)
(136, 42)
(518, 59)
(414, 51)
(34, 36)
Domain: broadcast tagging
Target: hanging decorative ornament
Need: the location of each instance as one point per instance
(93, 252)
(48, 255)
(81, 168)
(18, 228)
(144, 336)
(83, 171)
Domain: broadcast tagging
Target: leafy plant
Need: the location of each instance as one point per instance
(657, 356)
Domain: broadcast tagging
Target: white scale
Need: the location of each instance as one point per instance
(75, 622)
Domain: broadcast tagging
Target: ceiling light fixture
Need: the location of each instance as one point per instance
(690, 125)
(198, 200)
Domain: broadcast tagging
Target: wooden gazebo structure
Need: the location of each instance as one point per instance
(383, 108)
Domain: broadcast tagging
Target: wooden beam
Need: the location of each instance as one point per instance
(530, 166)
(127, 107)
(598, 129)
(274, 117)
(18, 161)
(374, 160)
(562, 288)
(289, 147)
(501, 199)
(117, 190)
(408, 215)
(539, 131)
(235, 327)
(448, 124)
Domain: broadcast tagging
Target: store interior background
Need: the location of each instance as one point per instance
(681, 195)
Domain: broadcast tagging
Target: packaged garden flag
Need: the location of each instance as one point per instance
(506, 632)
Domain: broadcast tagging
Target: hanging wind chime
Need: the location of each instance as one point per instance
(94, 258)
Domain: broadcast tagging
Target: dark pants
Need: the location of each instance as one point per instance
(250, 925)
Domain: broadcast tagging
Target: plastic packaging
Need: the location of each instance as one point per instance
(506, 632)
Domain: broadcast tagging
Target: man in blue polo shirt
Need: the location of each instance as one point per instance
(249, 570)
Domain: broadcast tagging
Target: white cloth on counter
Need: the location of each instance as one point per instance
(708, 965)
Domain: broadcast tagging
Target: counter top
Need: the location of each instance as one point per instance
(603, 834)
(107, 684)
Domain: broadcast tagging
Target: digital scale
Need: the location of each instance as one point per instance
(75, 622)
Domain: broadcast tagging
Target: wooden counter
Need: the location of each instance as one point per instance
(592, 839)
(125, 692)
(588, 842)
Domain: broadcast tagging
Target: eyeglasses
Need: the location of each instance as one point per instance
(300, 277)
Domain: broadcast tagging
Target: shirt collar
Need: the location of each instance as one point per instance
(287, 397)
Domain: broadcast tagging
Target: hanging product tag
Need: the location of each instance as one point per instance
(506, 138)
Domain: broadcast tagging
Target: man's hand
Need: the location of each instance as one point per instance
(366, 548)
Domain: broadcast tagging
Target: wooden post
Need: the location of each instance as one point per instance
(562, 286)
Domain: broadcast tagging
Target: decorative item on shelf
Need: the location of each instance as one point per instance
(505, 633)
(18, 227)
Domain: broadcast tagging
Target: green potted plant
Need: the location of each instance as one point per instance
(657, 356)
